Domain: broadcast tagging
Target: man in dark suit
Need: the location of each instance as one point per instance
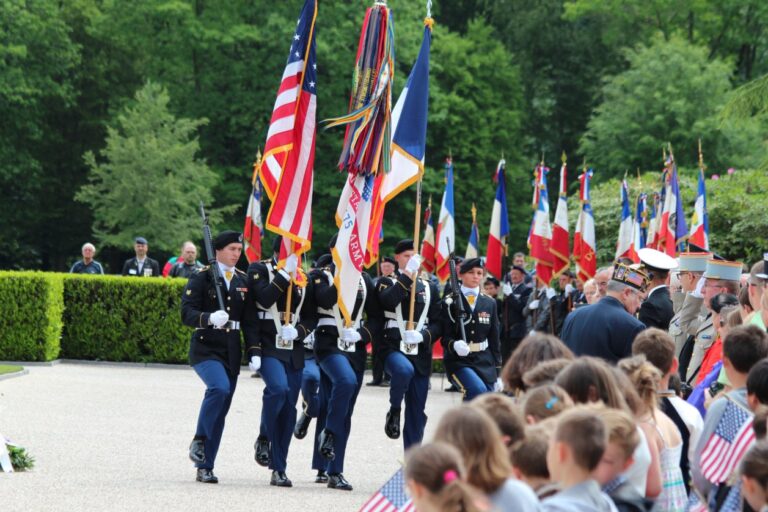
(214, 351)
(516, 296)
(607, 328)
(472, 363)
(141, 265)
(657, 310)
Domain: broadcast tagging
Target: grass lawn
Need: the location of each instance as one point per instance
(7, 368)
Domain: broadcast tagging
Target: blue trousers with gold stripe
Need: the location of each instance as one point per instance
(470, 383)
(406, 383)
(278, 412)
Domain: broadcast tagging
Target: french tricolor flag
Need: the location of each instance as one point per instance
(541, 234)
(474, 237)
(624, 242)
(560, 232)
(497, 235)
(584, 243)
(640, 225)
(428, 244)
(446, 238)
(700, 221)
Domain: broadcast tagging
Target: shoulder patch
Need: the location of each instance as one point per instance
(189, 292)
(317, 281)
(255, 276)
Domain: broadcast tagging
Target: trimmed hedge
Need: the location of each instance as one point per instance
(116, 318)
(31, 306)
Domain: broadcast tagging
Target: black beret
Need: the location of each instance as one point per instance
(324, 261)
(469, 264)
(519, 268)
(404, 245)
(225, 238)
(140, 240)
(389, 259)
(492, 280)
(276, 244)
(332, 241)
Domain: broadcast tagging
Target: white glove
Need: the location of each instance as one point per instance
(550, 293)
(255, 363)
(289, 333)
(498, 386)
(699, 289)
(350, 335)
(218, 318)
(506, 289)
(413, 264)
(291, 262)
(461, 348)
(569, 289)
(534, 304)
(412, 337)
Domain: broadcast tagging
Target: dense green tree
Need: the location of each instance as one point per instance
(148, 179)
(670, 93)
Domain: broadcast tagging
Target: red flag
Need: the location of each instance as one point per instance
(428, 244)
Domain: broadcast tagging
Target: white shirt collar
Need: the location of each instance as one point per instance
(225, 268)
(470, 291)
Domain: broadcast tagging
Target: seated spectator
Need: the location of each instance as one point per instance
(529, 459)
(188, 264)
(436, 480)
(623, 440)
(754, 476)
(757, 385)
(660, 430)
(504, 413)
(534, 349)
(658, 348)
(478, 439)
(141, 265)
(544, 402)
(742, 349)
(574, 453)
(87, 265)
(544, 373)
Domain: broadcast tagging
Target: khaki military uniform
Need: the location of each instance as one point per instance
(693, 322)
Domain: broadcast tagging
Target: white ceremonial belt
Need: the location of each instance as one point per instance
(229, 325)
(478, 347)
(390, 314)
(328, 322)
(264, 315)
(391, 324)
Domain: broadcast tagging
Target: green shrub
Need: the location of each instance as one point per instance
(30, 323)
(124, 319)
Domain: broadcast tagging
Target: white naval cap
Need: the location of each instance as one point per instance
(656, 260)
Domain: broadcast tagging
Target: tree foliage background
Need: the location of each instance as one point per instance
(606, 81)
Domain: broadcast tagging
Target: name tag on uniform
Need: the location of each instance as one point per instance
(132, 271)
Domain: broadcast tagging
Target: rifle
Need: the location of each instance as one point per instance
(454, 283)
(213, 267)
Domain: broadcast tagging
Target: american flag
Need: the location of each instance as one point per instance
(728, 444)
(289, 153)
(391, 497)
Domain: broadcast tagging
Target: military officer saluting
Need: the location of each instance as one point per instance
(473, 364)
(408, 352)
(657, 310)
(277, 350)
(214, 351)
(340, 350)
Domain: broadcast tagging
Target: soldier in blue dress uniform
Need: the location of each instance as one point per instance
(214, 351)
(277, 350)
(341, 353)
(474, 363)
(408, 353)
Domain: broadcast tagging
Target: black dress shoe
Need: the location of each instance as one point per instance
(206, 476)
(325, 444)
(262, 451)
(385, 383)
(280, 479)
(197, 451)
(300, 430)
(338, 482)
(322, 477)
(392, 426)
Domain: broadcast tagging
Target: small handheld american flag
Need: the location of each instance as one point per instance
(728, 444)
(391, 497)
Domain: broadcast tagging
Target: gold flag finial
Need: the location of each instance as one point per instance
(701, 158)
(474, 214)
(256, 168)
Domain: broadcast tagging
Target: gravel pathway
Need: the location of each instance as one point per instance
(115, 437)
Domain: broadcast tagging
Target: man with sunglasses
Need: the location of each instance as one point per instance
(690, 271)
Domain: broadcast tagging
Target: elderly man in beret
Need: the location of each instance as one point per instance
(214, 351)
